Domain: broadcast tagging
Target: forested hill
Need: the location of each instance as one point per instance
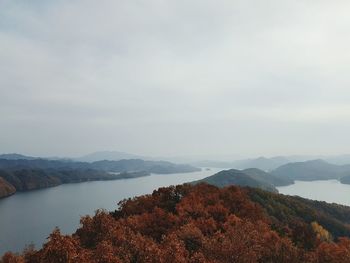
(204, 224)
(6, 189)
(108, 166)
(312, 170)
(249, 177)
(24, 175)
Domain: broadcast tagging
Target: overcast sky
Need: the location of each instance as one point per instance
(165, 78)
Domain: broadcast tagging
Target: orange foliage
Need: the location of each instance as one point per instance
(195, 224)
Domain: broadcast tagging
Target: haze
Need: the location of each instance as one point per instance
(166, 78)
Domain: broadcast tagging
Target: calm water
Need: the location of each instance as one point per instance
(331, 191)
(30, 217)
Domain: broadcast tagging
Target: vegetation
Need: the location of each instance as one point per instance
(30, 174)
(312, 170)
(288, 211)
(249, 177)
(31, 179)
(107, 166)
(267, 178)
(203, 223)
(6, 188)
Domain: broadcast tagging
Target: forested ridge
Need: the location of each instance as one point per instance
(20, 180)
(249, 177)
(161, 167)
(203, 223)
(30, 174)
(311, 171)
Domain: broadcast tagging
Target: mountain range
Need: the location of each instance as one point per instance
(33, 172)
(263, 163)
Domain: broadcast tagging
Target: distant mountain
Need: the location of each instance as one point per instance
(158, 167)
(269, 164)
(237, 177)
(109, 156)
(31, 179)
(311, 170)
(262, 163)
(216, 164)
(16, 156)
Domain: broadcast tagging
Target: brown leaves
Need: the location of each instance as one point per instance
(11, 258)
(195, 224)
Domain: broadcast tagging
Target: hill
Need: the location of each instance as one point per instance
(6, 189)
(250, 177)
(107, 166)
(25, 175)
(311, 170)
(20, 180)
(284, 210)
(267, 178)
(204, 223)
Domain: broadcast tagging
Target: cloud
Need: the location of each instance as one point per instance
(136, 75)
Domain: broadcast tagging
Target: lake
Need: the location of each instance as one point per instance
(331, 191)
(29, 217)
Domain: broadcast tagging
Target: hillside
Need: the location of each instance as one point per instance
(311, 170)
(31, 179)
(25, 175)
(6, 189)
(205, 224)
(288, 210)
(107, 166)
(250, 178)
(267, 178)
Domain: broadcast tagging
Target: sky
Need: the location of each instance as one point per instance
(242, 78)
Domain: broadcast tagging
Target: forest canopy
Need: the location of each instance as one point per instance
(203, 223)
